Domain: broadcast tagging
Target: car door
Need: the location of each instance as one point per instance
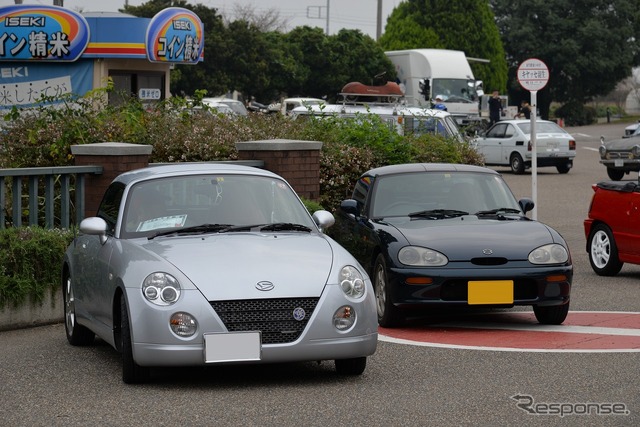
(628, 235)
(490, 145)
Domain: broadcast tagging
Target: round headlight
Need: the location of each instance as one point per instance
(161, 288)
(183, 324)
(344, 318)
(421, 257)
(351, 282)
(636, 151)
(603, 151)
(549, 254)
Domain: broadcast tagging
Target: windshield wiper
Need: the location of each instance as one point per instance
(196, 229)
(285, 226)
(438, 214)
(498, 211)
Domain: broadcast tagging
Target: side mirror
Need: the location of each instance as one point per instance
(526, 204)
(350, 207)
(95, 226)
(323, 219)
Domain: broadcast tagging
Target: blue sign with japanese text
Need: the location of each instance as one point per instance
(48, 33)
(175, 35)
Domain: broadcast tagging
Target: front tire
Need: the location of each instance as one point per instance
(350, 367)
(603, 252)
(388, 314)
(615, 174)
(551, 315)
(517, 164)
(77, 334)
(132, 373)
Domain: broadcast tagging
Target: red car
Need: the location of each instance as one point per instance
(613, 226)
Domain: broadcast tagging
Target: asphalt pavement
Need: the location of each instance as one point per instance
(46, 382)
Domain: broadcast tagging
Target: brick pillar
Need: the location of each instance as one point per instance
(296, 161)
(115, 158)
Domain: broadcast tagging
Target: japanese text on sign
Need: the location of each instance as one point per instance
(533, 74)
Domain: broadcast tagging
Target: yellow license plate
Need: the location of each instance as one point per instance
(490, 292)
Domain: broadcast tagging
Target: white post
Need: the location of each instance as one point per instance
(534, 156)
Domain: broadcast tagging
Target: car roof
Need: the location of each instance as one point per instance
(177, 169)
(518, 121)
(426, 167)
(380, 109)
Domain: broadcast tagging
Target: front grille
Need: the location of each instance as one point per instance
(273, 317)
(619, 155)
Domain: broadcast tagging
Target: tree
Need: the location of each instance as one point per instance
(466, 25)
(588, 45)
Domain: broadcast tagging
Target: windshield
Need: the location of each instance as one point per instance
(215, 201)
(464, 192)
(454, 90)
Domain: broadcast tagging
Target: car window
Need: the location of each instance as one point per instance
(110, 205)
(541, 127)
(510, 131)
(185, 201)
(361, 190)
(497, 131)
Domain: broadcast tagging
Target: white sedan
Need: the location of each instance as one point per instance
(508, 143)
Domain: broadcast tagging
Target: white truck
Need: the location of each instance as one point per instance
(427, 74)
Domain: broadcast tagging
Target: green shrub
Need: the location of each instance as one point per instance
(576, 114)
(31, 261)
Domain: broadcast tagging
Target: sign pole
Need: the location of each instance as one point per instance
(533, 75)
(534, 156)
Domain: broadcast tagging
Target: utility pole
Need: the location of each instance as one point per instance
(379, 21)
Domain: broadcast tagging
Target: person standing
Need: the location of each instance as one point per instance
(495, 108)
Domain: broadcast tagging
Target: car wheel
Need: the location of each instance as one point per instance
(132, 373)
(516, 163)
(76, 333)
(615, 174)
(603, 252)
(353, 366)
(564, 168)
(551, 315)
(388, 314)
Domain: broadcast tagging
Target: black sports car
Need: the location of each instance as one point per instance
(452, 235)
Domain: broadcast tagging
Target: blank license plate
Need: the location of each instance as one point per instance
(618, 163)
(490, 292)
(232, 347)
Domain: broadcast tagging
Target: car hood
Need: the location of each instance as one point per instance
(467, 237)
(230, 265)
(623, 143)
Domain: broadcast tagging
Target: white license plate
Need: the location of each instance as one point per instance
(232, 347)
(618, 163)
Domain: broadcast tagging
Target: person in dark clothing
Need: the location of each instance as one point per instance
(525, 110)
(495, 108)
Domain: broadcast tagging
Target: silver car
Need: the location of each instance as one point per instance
(197, 264)
(621, 156)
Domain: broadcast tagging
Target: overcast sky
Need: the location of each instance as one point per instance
(351, 14)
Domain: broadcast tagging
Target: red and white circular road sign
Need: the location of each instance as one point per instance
(533, 74)
(581, 332)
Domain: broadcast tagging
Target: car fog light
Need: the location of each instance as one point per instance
(183, 324)
(344, 318)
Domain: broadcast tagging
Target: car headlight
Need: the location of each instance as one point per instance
(549, 254)
(161, 288)
(351, 282)
(603, 151)
(421, 257)
(636, 151)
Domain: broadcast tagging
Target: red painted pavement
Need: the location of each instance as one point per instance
(581, 331)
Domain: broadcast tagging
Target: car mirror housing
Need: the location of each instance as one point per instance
(350, 207)
(526, 204)
(95, 226)
(324, 219)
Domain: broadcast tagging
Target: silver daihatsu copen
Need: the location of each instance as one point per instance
(197, 264)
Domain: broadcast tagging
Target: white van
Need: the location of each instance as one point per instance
(405, 120)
